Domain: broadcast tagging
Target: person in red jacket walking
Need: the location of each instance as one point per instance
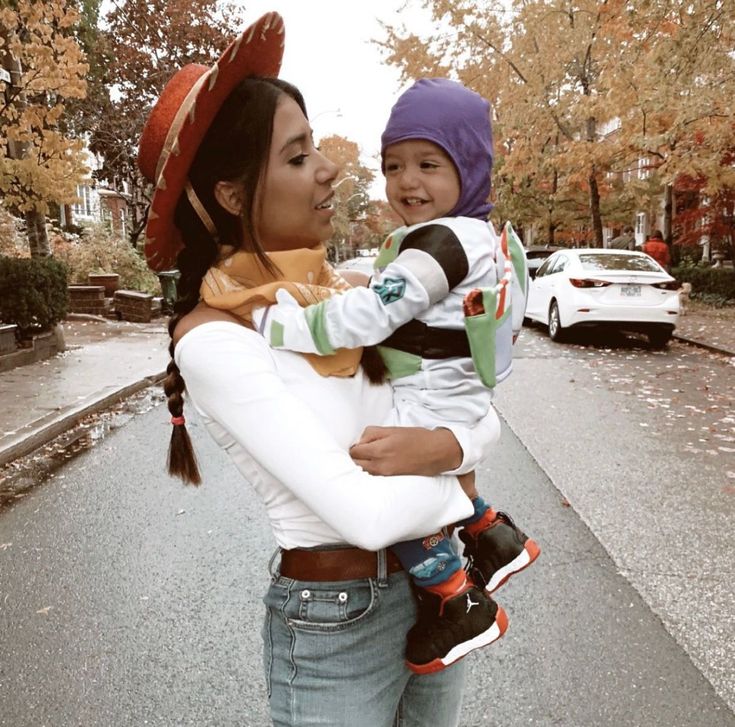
(658, 249)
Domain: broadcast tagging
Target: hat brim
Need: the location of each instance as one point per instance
(257, 52)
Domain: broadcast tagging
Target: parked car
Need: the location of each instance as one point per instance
(622, 289)
(536, 254)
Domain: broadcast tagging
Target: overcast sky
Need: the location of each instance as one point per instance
(348, 89)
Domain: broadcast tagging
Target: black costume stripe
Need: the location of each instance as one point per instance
(427, 342)
(444, 246)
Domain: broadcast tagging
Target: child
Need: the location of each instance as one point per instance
(437, 160)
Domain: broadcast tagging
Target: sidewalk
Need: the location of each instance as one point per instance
(106, 361)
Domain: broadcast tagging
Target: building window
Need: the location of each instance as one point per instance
(83, 207)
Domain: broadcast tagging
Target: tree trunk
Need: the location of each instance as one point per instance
(668, 212)
(37, 235)
(38, 242)
(554, 188)
(594, 189)
(595, 208)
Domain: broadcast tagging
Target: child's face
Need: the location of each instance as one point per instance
(421, 182)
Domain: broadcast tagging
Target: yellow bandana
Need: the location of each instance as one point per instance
(239, 282)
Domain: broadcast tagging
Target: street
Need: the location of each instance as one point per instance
(127, 599)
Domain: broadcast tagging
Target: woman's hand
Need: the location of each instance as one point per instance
(406, 451)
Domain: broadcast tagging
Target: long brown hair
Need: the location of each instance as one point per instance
(235, 149)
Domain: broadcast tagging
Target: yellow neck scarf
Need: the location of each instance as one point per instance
(239, 282)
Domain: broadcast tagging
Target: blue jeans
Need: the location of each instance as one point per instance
(334, 655)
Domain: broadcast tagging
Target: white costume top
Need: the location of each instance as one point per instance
(287, 430)
(437, 264)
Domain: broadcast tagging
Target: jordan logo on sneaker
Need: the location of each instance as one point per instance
(471, 603)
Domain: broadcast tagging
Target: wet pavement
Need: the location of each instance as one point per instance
(641, 443)
(104, 361)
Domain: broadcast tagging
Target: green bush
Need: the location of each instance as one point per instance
(100, 251)
(712, 285)
(33, 293)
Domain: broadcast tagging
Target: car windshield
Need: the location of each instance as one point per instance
(597, 261)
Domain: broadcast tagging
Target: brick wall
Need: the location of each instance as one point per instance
(87, 299)
(130, 305)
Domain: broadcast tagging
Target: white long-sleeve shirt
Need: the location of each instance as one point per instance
(288, 430)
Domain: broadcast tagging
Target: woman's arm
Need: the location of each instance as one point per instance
(230, 377)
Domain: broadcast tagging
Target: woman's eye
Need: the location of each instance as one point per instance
(298, 160)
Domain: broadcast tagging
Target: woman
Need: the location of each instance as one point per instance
(243, 197)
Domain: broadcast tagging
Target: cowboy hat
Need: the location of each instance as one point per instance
(180, 119)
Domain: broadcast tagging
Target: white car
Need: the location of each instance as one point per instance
(622, 289)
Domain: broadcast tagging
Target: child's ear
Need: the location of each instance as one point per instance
(230, 197)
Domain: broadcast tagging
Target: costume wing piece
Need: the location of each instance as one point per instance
(494, 316)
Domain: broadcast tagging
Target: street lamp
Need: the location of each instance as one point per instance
(344, 179)
(337, 112)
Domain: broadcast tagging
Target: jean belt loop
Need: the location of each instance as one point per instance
(273, 573)
(382, 569)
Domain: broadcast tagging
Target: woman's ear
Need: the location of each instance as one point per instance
(229, 195)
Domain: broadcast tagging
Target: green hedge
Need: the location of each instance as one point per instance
(715, 285)
(33, 293)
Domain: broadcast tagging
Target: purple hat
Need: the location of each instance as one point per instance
(458, 120)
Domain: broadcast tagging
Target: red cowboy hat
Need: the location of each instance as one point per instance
(180, 119)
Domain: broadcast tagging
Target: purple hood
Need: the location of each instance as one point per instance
(458, 120)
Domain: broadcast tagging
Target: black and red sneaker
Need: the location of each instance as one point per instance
(449, 628)
(497, 552)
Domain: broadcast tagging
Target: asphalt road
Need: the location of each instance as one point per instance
(126, 599)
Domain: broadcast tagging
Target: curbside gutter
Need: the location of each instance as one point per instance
(40, 432)
(701, 344)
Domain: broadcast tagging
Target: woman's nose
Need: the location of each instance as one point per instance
(327, 171)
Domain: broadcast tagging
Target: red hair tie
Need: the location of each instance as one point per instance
(178, 421)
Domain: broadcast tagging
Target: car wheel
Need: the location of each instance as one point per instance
(556, 331)
(659, 337)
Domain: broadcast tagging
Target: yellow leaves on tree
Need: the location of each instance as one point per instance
(39, 163)
(583, 92)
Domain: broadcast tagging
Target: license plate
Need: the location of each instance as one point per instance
(631, 291)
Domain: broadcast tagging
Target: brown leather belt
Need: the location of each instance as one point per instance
(335, 564)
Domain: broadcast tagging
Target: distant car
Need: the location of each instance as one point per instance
(536, 254)
(622, 289)
(362, 263)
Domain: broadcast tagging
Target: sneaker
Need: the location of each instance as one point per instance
(447, 629)
(497, 552)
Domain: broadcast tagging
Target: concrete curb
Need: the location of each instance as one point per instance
(36, 434)
(708, 346)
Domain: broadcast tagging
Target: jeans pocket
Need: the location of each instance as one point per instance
(330, 606)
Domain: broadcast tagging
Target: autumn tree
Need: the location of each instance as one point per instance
(351, 196)
(544, 70)
(675, 95)
(583, 91)
(39, 163)
(139, 47)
